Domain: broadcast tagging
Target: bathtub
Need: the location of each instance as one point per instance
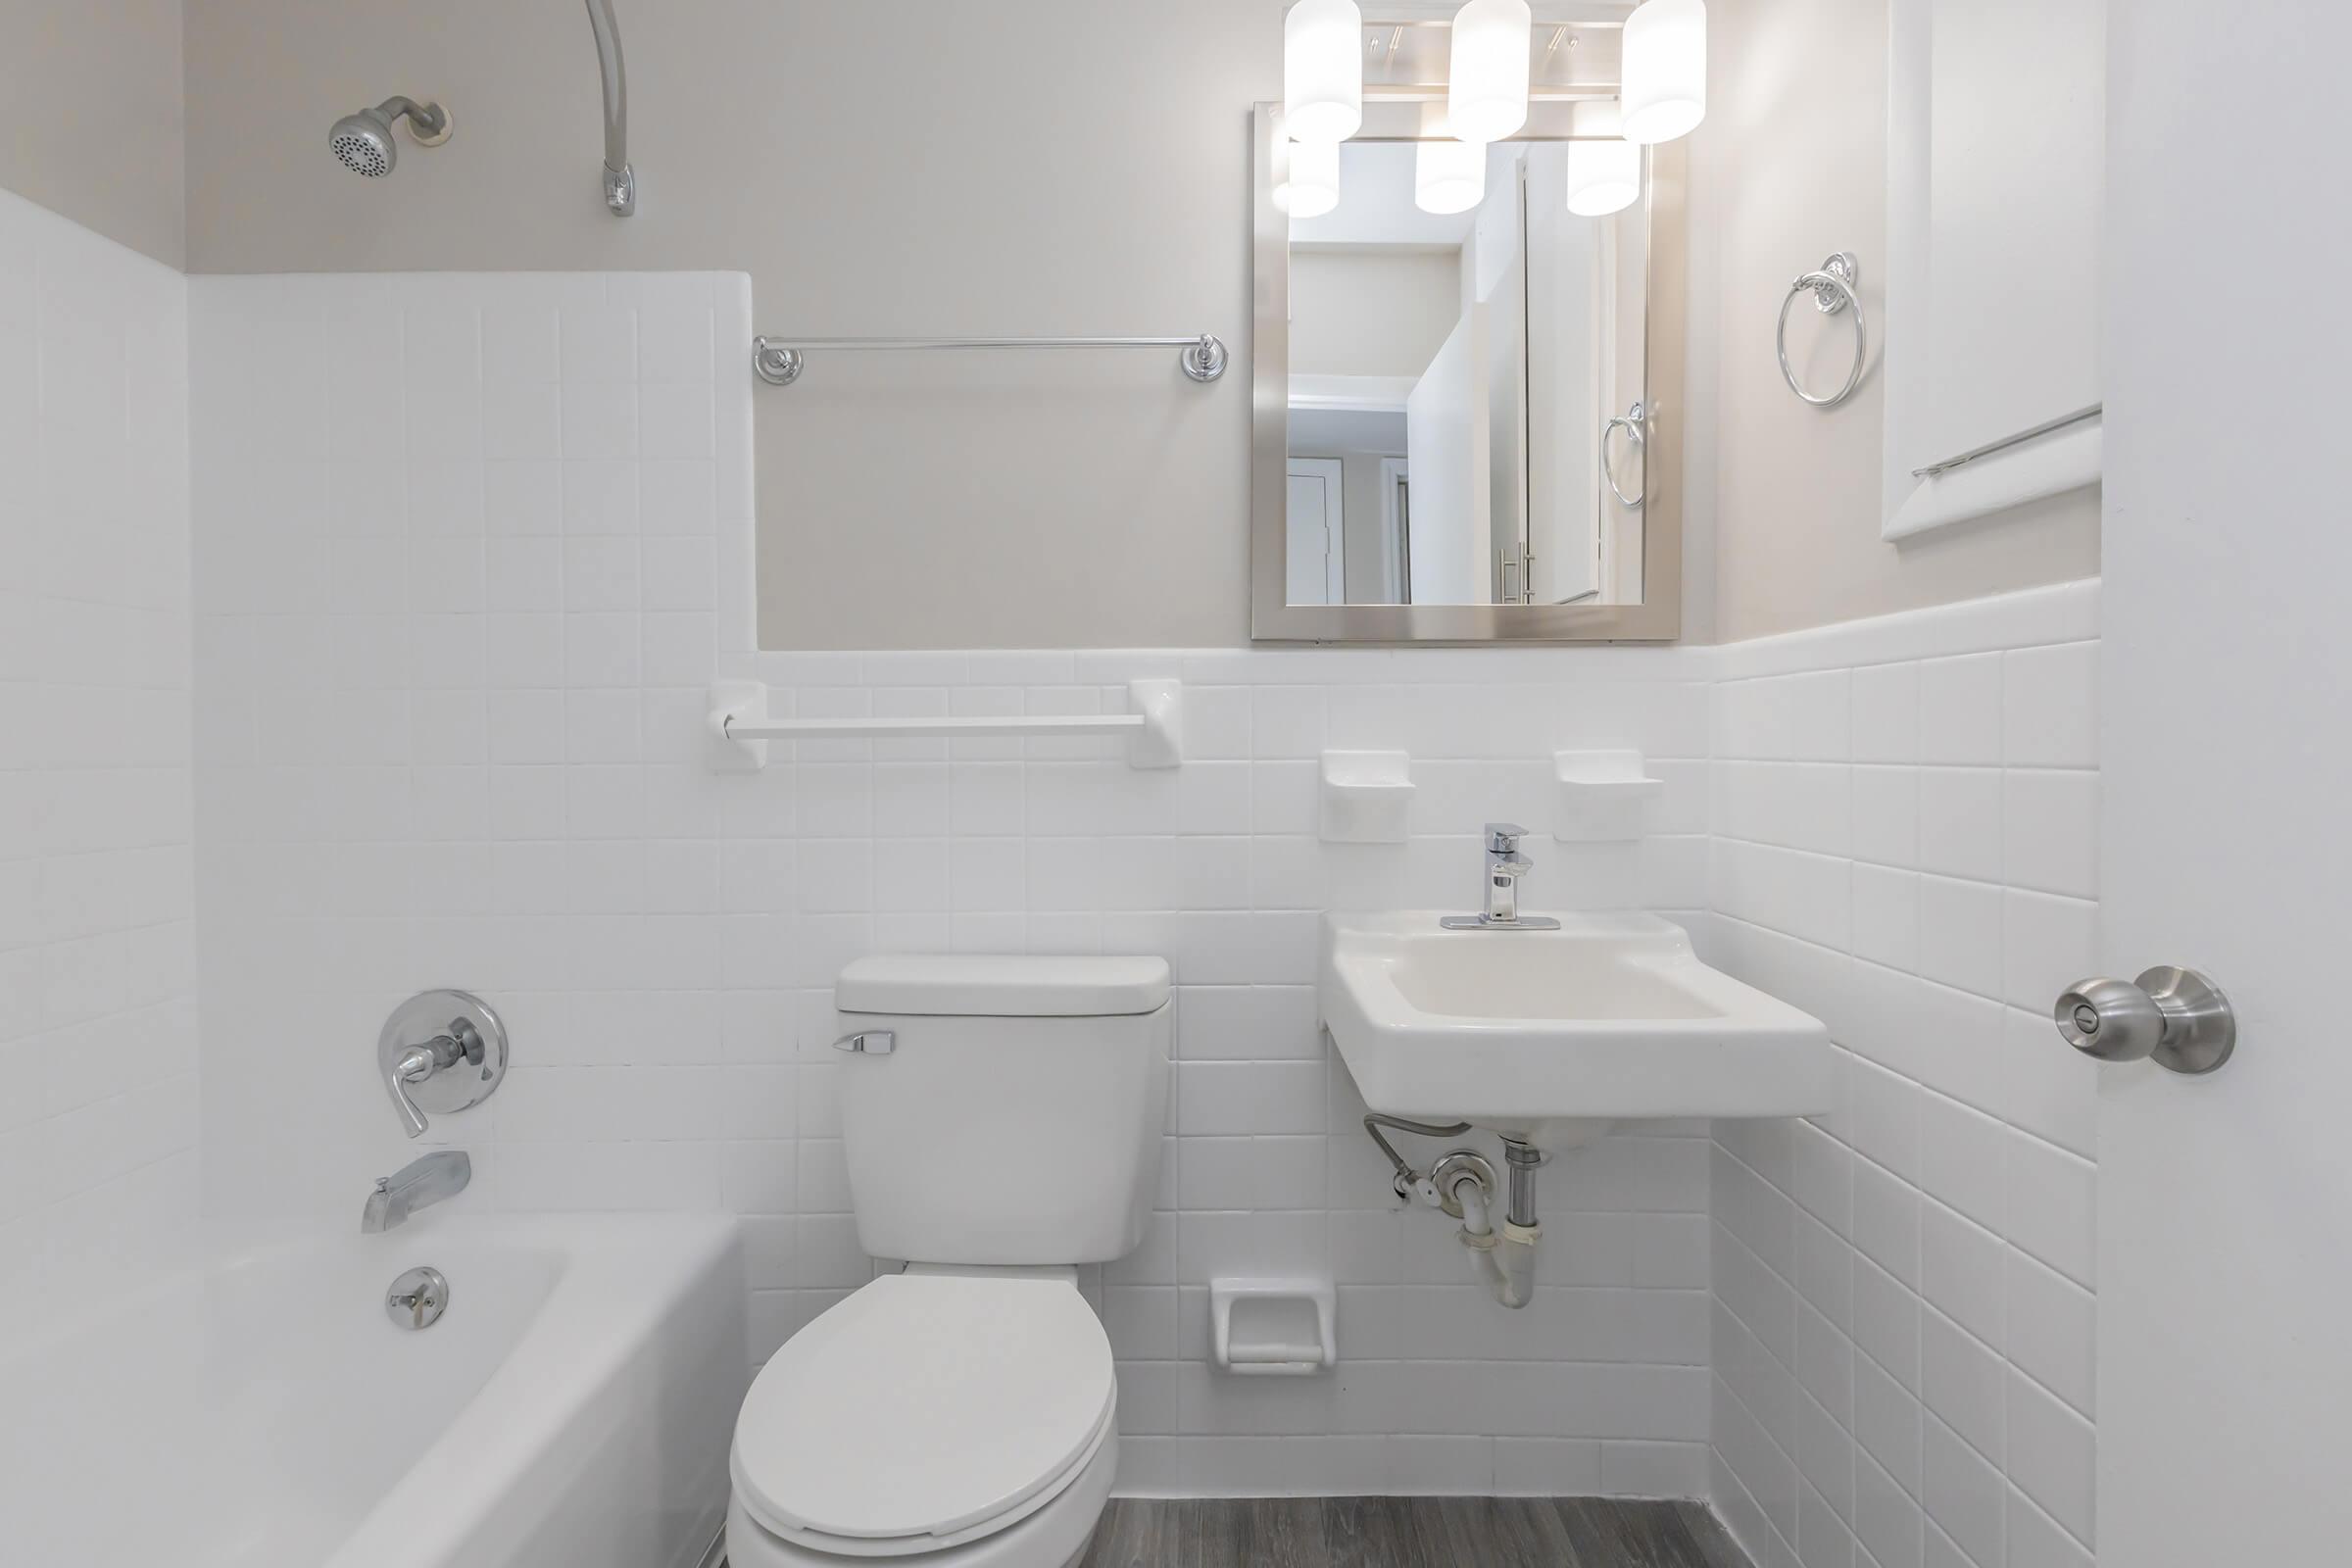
(572, 1406)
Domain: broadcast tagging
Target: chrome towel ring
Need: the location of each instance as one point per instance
(1832, 289)
(1631, 422)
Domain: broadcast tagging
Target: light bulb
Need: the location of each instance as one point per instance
(1311, 187)
(1486, 92)
(1603, 178)
(1322, 71)
(1665, 92)
(1449, 176)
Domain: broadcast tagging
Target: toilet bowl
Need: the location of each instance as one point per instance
(943, 1416)
(1001, 1118)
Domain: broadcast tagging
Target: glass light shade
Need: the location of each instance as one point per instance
(1323, 71)
(1311, 185)
(1449, 176)
(1603, 178)
(1665, 71)
(1486, 89)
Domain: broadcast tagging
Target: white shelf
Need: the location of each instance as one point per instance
(1366, 796)
(741, 728)
(1602, 797)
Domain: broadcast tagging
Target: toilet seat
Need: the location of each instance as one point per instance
(929, 1409)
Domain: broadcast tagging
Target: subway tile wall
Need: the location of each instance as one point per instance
(468, 551)
(97, 958)
(1907, 836)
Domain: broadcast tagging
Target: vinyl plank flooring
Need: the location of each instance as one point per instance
(1716, 1547)
(1263, 1532)
(1409, 1532)
(1608, 1533)
(1498, 1533)
(1133, 1533)
(1368, 1532)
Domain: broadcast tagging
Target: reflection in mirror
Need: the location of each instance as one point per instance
(1463, 390)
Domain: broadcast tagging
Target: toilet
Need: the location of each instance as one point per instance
(1002, 1120)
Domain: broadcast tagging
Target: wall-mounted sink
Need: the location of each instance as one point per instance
(1551, 1036)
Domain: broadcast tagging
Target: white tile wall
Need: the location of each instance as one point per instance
(1903, 1307)
(97, 968)
(468, 551)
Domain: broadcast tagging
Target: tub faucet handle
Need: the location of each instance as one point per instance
(441, 1051)
(411, 1066)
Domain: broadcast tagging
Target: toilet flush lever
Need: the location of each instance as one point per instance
(868, 1043)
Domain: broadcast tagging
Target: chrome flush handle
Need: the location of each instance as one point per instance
(868, 1043)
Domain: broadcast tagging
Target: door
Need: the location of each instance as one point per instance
(1571, 375)
(1445, 449)
(2226, 1201)
(1315, 528)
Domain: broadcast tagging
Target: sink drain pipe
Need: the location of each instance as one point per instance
(1505, 1259)
(1463, 1184)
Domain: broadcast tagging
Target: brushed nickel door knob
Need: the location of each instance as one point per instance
(2176, 1016)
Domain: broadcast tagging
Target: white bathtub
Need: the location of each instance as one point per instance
(573, 1408)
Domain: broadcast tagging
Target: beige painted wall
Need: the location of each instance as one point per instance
(1372, 313)
(1790, 166)
(1052, 167)
(867, 165)
(89, 90)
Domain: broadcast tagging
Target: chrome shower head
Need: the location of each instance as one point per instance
(364, 141)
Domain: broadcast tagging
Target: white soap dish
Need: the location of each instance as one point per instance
(1274, 1328)
(1366, 796)
(1602, 797)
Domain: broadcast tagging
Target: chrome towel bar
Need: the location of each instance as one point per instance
(780, 360)
(2006, 442)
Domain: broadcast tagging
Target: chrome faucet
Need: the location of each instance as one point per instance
(1505, 865)
(419, 1183)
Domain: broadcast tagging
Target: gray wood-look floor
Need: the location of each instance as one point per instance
(1409, 1532)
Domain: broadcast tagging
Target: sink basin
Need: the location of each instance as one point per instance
(1551, 1036)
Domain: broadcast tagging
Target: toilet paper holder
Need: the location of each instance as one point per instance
(1274, 1328)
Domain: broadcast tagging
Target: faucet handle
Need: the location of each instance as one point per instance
(1503, 838)
(413, 1066)
(440, 1052)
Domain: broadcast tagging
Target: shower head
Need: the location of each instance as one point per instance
(364, 141)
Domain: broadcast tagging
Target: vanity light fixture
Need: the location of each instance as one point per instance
(1486, 89)
(1307, 177)
(1322, 71)
(1603, 178)
(1449, 176)
(1665, 67)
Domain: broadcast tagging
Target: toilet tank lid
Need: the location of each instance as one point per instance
(1008, 986)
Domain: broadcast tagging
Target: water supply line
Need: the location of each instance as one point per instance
(1463, 1184)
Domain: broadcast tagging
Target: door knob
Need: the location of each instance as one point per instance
(2178, 1016)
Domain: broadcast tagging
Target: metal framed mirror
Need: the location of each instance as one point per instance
(1466, 427)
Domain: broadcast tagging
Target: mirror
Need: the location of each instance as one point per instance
(1457, 431)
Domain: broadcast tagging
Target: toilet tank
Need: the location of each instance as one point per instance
(1015, 1117)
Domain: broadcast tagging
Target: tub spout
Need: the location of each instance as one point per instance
(419, 1183)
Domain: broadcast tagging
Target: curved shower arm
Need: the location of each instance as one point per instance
(620, 180)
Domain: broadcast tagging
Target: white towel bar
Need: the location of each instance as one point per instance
(741, 728)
